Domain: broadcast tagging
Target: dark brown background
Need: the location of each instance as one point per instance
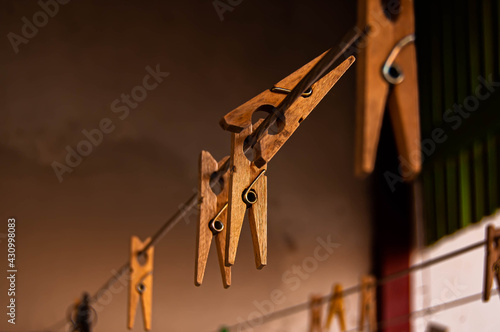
(71, 235)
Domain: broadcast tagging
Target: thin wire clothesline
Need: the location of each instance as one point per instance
(312, 76)
(355, 289)
(429, 311)
(305, 83)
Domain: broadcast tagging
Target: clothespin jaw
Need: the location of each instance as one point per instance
(141, 282)
(316, 315)
(336, 307)
(368, 303)
(381, 82)
(247, 192)
(492, 261)
(212, 221)
(241, 117)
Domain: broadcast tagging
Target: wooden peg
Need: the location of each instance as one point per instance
(248, 191)
(141, 282)
(241, 117)
(492, 262)
(212, 221)
(373, 88)
(336, 307)
(316, 314)
(368, 303)
(82, 320)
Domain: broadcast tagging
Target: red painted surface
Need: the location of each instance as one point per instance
(394, 297)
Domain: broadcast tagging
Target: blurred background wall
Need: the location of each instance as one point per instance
(73, 234)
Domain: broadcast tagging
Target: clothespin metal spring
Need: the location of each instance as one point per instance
(215, 225)
(250, 195)
(305, 94)
(391, 71)
(140, 285)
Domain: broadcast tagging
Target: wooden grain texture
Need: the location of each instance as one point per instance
(269, 145)
(492, 257)
(368, 304)
(221, 238)
(373, 89)
(315, 307)
(140, 273)
(242, 172)
(241, 117)
(210, 205)
(336, 308)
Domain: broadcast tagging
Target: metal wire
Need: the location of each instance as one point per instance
(429, 311)
(305, 83)
(355, 289)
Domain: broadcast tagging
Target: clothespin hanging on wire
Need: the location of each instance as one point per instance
(141, 282)
(492, 262)
(368, 303)
(212, 218)
(387, 74)
(336, 308)
(83, 315)
(248, 191)
(316, 314)
(247, 180)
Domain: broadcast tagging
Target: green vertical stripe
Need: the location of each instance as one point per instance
(488, 12)
(479, 188)
(461, 41)
(493, 201)
(465, 190)
(437, 116)
(439, 188)
(475, 70)
(462, 79)
(449, 97)
(452, 194)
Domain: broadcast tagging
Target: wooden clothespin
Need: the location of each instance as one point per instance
(82, 321)
(141, 282)
(247, 191)
(336, 307)
(492, 262)
(241, 118)
(212, 219)
(368, 303)
(381, 81)
(316, 314)
(248, 183)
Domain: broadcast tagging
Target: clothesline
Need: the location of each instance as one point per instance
(431, 310)
(305, 83)
(380, 282)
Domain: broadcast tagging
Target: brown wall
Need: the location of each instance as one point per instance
(71, 235)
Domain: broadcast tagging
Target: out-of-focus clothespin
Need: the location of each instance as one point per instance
(368, 303)
(492, 261)
(387, 75)
(81, 316)
(247, 179)
(141, 282)
(212, 221)
(315, 313)
(336, 307)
